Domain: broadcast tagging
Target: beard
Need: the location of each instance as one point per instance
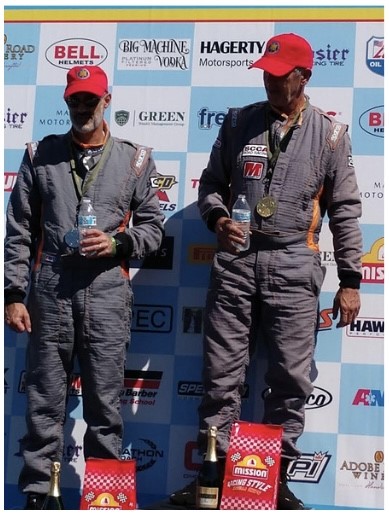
(86, 122)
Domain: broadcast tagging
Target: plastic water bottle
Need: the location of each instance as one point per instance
(86, 219)
(241, 213)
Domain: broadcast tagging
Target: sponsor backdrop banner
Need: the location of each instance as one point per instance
(173, 74)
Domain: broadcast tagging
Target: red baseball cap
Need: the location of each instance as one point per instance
(86, 79)
(284, 53)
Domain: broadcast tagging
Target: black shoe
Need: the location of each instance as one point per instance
(34, 501)
(186, 497)
(286, 500)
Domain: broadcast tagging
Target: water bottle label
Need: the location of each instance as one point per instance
(242, 216)
(87, 221)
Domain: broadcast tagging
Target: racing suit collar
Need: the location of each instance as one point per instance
(296, 115)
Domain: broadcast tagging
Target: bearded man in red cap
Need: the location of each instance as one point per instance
(294, 164)
(76, 303)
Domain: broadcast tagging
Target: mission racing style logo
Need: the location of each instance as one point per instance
(251, 473)
(373, 264)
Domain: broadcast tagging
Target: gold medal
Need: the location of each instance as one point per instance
(266, 206)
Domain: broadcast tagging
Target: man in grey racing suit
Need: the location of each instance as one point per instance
(293, 162)
(76, 305)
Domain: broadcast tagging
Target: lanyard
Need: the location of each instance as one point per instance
(273, 156)
(81, 185)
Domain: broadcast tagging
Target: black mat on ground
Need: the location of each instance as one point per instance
(166, 505)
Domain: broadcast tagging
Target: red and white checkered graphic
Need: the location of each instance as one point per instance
(238, 503)
(108, 481)
(250, 444)
(257, 444)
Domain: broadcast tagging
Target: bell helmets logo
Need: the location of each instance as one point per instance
(372, 121)
(76, 52)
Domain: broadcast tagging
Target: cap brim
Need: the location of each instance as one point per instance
(83, 88)
(272, 66)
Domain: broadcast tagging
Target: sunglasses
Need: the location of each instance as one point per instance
(89, 103)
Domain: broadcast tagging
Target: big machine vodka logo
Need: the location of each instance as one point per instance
(154, 54)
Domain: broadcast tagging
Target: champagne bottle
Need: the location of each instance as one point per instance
(53, 500)
(208, 480)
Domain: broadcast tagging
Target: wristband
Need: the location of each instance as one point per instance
(113, 246)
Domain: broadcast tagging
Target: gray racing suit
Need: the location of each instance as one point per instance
(272, 289)
(78, 307)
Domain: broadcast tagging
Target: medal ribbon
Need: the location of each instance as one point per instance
(80, 185)
(282, 145)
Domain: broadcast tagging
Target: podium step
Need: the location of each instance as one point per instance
(166, 505)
